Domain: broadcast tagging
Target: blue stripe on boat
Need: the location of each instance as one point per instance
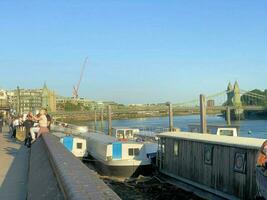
(68, 143)
(117, 151)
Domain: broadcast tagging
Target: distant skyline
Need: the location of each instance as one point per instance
(139, 51)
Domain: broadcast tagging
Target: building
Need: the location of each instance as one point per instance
(31, 100)
(3, 101)
(49, 99)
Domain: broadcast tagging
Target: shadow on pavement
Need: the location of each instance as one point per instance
(14, 186)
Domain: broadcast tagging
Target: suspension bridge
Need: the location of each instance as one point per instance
(233, 98)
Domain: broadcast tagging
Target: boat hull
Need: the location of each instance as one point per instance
(121, 169)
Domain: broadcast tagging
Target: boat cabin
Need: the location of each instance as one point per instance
(227, 132)
(124, 133)
(146, 136)
(216, 129)
(75, 145)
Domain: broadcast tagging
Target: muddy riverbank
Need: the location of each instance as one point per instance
(151, 189)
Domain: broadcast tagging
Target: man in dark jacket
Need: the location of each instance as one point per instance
(28, 124)
(1, 123)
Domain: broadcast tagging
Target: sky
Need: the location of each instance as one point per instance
(141, 51)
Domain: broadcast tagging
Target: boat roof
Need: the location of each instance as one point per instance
(59, 134)
(242, 142)
(63, 135)
(125, 128)
(101, 137)
(147, 133)
(106, 139)
(215, 125)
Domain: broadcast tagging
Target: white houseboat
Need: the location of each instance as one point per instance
(75, 145)
(118, 158)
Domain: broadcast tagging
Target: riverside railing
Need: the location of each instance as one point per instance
(57, 174)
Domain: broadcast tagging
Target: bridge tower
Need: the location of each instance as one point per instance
(230, 95)
(234, 100)
(237, 96)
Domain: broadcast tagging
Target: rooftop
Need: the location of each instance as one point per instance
(242, 142)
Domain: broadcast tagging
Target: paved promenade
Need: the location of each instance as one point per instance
(14, 158)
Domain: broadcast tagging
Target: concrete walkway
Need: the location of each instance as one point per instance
(14, 163)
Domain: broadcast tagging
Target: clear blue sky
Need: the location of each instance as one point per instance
(140, 50)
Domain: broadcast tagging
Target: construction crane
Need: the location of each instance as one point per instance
(77, 87)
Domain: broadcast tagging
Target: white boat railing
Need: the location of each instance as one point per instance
(154, 129)
(71, 129)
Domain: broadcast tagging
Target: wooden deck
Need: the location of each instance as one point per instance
(14, 159)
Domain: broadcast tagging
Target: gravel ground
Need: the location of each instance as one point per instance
(149, 190)
(145, 188)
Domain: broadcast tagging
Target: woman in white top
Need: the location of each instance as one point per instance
(42, 123)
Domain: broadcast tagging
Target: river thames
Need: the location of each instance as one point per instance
(257, 128)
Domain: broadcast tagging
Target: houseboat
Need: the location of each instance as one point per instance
(220, 167)
(118, 158)
(75, 145)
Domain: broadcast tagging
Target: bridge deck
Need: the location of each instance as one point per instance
(13, 168)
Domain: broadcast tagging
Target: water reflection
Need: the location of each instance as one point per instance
(257, 128)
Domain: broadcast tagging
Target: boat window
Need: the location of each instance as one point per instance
(163, 141)
(130, 152)
(120, 134)
(227, 132)
(79, 145)
(129, 133)
(114, 132)
(175, 148)
(133, 152)
(136, 152)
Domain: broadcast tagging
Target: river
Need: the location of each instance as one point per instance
(257, 128)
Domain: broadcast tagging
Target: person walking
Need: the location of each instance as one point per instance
(34, 130)
(15, 126)
(28, 124)
(1, 123)
(10, 124)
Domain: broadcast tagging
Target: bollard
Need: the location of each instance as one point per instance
(228, 116)
(203, 114)
(170, 117)
(95, 119)
(102, 119)
(109, 121)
